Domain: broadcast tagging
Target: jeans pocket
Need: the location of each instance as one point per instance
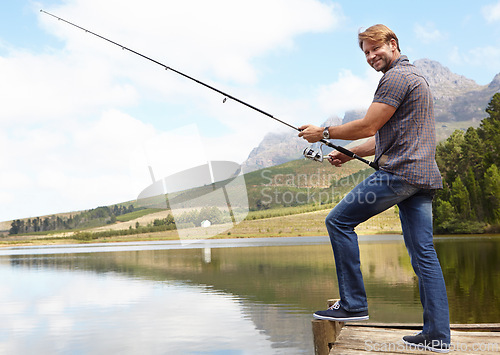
(401, 187)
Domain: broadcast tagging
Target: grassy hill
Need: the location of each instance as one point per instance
(289, 199)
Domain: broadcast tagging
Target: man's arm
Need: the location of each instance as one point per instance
(363, 150)
(366, 149)
(377, 115)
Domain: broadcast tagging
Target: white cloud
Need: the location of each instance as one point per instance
(65, 137)
(491, 12)
(349, 92)
(48, 87)
(428, 33)
(68, 310)
(76, 166)
(484, 57)
(219, 37)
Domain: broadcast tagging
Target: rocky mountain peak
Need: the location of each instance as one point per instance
(495, 84)
(333, 120)
(276, 148)
(442, 80)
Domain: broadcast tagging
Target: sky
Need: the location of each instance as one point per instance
(81, 120)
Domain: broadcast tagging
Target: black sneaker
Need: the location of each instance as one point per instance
(335, 312)
(420, 341)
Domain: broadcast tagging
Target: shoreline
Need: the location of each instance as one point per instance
(310, 224)
(205, 244)
(365, 237)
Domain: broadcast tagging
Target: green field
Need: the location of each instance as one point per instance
(136, 214)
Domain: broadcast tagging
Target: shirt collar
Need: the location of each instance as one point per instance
(401, 60)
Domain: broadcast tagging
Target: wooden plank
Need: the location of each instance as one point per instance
(491, 327)
(362, 339)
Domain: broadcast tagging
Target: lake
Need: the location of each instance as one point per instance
(219, 296)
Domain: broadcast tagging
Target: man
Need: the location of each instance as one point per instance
(401, 130)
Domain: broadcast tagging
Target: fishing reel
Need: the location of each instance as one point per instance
(316, 155)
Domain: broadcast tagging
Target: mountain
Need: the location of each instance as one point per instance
(281, 147)
(456, 99)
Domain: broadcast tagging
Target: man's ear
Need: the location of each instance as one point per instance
(393, 44)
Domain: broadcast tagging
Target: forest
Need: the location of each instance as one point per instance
(94, 217)
(469, 163)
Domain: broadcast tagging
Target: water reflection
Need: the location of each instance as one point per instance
(50, 312)
(216, 299)
(472, 272)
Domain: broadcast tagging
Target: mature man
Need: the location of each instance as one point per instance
(400, 124)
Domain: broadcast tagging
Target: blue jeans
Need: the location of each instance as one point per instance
(374, 195)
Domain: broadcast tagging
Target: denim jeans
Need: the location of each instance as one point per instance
(374, 195)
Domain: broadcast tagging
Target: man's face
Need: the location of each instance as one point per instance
(379, 56)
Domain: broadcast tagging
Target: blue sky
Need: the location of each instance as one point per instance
(80, 119)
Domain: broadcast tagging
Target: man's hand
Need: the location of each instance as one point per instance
(363, 150)
(311, 133)
(337, 158)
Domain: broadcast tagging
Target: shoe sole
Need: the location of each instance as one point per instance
(347, 319)
(426, 347)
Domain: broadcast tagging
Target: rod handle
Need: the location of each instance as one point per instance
(347, 152)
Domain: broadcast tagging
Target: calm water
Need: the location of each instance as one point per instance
(218, 297)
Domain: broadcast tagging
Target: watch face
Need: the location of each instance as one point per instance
(326, 133)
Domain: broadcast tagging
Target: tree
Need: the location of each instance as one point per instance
(493, 108)
(46, 224)
(472, 150)
(212, 214)
(36, 224)
(492, 193)
(444, 216)
(475, 195)
(489, 132)
(14, 227)
(449, 153)
(460, 199)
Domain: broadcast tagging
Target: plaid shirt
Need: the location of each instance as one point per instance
(406, 144)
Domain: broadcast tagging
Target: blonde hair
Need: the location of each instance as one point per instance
(378, 34)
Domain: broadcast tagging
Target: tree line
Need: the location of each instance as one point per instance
(469, 163)
(188, 219)
(107, 215)
(92, 217)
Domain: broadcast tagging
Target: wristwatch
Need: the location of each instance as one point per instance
(326, 132)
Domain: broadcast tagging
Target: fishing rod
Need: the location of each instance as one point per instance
(308, 152)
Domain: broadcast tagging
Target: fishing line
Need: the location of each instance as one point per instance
(226, 95)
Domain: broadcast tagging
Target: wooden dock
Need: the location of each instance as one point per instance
(332, 337)
(387, 339)
(361, 338)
